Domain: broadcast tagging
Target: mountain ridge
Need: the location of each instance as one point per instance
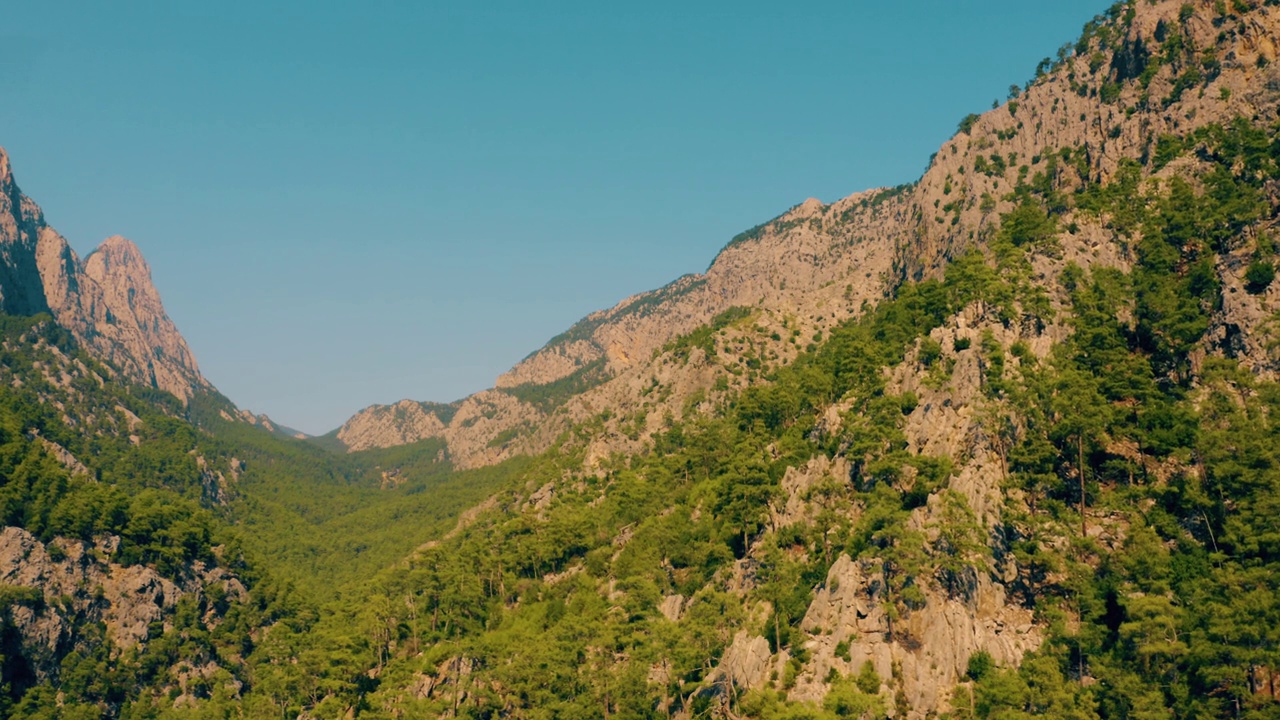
(816, 264)
(998, 444)
(106, 299)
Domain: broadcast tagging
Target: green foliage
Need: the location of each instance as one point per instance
(909, 401)
(704, 337)
(549, 396)
(1259, 275)
(1160, 619)
(1028, 224)
(980, 665)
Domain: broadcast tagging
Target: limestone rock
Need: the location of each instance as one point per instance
(80, 584)
(381, 426)
(107, 300)
(672, 607)
(931, 646)
(817, 264)
(64, 457)
(747, 662)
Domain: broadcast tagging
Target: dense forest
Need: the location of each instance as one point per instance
(1118, 483)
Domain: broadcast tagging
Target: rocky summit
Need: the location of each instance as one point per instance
(999, 443)
(106, 300)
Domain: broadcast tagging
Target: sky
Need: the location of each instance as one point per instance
(352, 203)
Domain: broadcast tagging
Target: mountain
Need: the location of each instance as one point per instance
(106, 300)
(816, 265)
(150, 531)
(830, 258)
(1001, 443)
(943, 449)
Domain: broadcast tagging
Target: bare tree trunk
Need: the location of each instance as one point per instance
(777, 633)
(1084, 530)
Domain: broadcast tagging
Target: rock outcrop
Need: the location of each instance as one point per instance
(21, 291)
(927, 652)
(106, 300)
(403, 423)
(77, 583)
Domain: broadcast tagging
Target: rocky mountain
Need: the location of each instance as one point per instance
(1097, 106)
(939, 428)
(1001, 443)
(112, 585)
(402, 423)
(106, 300)
(803, 273)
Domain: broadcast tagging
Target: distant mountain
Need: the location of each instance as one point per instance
(106, 300)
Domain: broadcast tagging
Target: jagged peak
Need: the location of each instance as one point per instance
(106, 300)
(119, 244)
(118, 251)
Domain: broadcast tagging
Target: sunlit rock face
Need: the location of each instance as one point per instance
(105, 300)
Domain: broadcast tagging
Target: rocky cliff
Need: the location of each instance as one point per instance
(106, 300)
(1149, 71)
(803, 273)
(75, 585)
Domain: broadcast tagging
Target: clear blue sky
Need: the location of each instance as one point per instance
(348, 203)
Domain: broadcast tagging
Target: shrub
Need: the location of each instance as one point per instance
(1027, 224)
(980, 665)
(868, 679)
(909, 402)
(930, 351)
(1259, 276)
(842, 650)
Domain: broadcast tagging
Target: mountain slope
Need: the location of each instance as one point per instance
(999, 444)
(106, 300)
(1036, 479)
(1111, 97)
(117, 585)
(150, 532)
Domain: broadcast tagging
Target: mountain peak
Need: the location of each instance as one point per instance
(106, 301)
(118, 261)
(118, 249)
(809, 207)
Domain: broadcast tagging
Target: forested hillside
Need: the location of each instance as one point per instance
(149, 544)
(1015, 455)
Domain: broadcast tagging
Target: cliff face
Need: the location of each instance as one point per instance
(1168, 70)
(74, 584)
(1164, 71)
(389, 425)
(804, 272)
(21, 292)
(814, 266)
(106, 300)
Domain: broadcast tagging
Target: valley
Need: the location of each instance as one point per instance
(1000, 443)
